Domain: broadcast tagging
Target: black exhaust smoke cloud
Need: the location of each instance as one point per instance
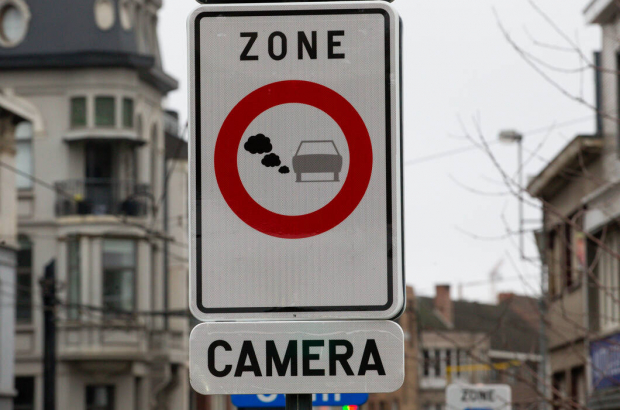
(271, 160)
(259, 144)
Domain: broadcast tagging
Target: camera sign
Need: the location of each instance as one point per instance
(295, 162)
(296, 357)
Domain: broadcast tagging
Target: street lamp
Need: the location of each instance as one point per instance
(509, 137)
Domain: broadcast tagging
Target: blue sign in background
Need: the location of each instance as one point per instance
(278, 400)
(605, 355)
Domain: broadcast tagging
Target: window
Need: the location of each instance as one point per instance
(99, 397)
(23, 157)
(577, 387)
(558, 383)
(426, 362)
(23, 308)
(25, 393)
(552, 263)
(568, 256)
(73, 277)
(105, 112)
(14, 20)
(104, 14)
(437, 363)
(127, 14)
(119, 268)
(449, 369)
(78, 112)
(127, 113)
(607, 271)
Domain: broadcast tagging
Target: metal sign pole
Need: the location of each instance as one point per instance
(298, 402)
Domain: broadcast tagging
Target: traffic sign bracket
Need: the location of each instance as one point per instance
(298, 402)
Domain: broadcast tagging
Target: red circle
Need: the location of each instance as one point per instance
(231, 134)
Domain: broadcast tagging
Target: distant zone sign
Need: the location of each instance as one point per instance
(479, 397)
(295, 159)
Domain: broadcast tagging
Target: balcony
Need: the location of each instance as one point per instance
(102, 197)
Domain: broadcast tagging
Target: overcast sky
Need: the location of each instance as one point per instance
(460, 72)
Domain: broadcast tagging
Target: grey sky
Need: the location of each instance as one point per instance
(459, 72)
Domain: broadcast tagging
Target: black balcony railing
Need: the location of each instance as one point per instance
(102, 197)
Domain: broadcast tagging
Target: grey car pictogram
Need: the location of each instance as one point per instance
(315, 157)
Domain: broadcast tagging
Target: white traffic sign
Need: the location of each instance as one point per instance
(296, 357)
(296, 162)
(479, 397)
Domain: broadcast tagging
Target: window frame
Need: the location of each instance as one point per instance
(111, 393)
(73, 312)
(114, 122)
(134, 268)
(131, 117)
(426, 365)
(72, 123)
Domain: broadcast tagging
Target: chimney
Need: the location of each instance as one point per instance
(443, 303)
(505, 297)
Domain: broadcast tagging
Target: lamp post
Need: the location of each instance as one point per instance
(509, 137)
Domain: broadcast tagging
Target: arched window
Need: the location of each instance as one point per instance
(23, 306)
(23, 158)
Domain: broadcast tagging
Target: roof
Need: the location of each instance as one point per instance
(600, 11)
(507, 330)
(581, 151)
(64, 34)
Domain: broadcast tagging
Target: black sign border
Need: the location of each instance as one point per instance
(388, 108)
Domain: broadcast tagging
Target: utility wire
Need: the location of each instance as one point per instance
(120, 218)
(461, 150)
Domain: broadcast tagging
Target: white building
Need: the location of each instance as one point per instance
(91, 72)
(8, 246)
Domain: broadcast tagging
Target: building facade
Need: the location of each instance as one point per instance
(470, 342)
(8, 247)
(600, 222)
(101, 205)
(561, 186)
(580, 241)
(405, 398)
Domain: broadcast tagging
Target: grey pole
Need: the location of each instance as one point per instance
(48, 286)
(298, 402)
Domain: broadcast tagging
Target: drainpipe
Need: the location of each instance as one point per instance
(166, 247)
